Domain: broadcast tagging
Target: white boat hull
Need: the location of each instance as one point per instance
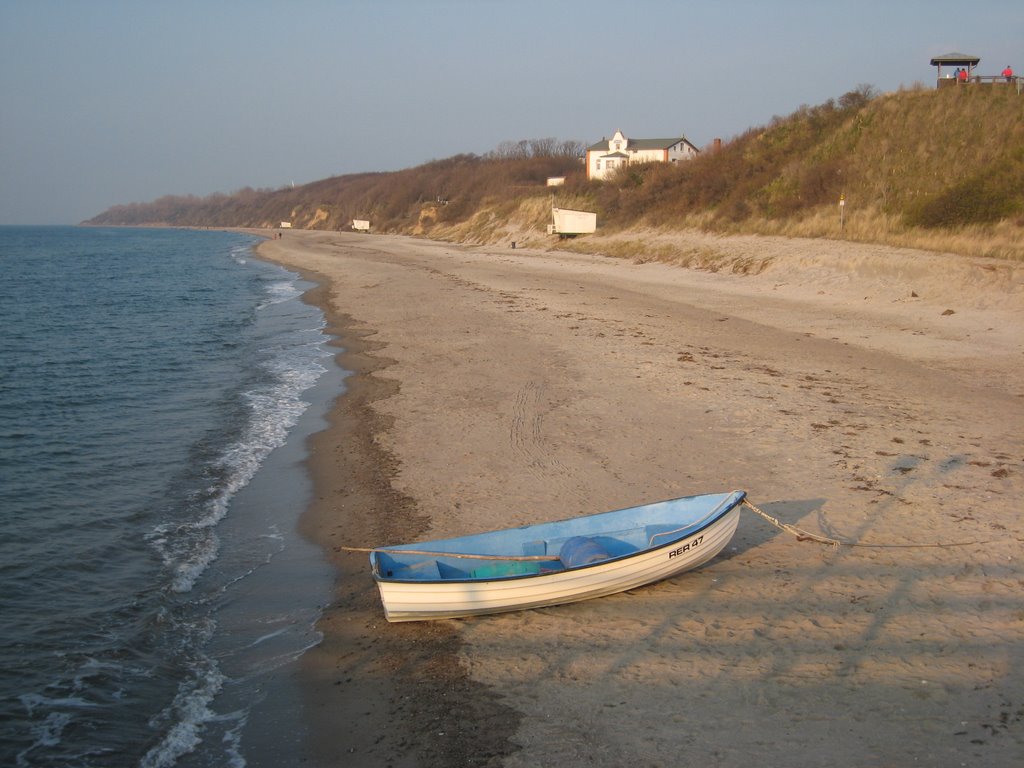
(420, 600)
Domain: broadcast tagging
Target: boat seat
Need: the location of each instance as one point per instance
(450, 571)
(535, 548)
(396, 566)
(424, 570)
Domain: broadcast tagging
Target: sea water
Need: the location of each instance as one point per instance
(155, 389)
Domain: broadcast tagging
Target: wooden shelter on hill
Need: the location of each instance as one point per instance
(959, 60)
(967, 63)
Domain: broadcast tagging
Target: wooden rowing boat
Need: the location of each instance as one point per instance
(553, 563)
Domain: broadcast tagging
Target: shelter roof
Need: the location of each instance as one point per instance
(955, 58)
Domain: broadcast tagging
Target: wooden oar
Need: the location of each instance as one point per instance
(429, 553)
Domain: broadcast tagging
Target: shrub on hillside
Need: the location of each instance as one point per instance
(993, 194)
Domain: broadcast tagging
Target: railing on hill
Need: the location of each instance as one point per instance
(1014, 81)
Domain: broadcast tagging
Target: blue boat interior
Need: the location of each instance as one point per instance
(563, 545)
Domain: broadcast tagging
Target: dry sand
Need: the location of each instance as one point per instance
(496, 387)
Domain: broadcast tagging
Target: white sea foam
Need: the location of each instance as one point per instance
(205, 545)
(277, 292)
(274, 534)
(233, 740)
(240, 252)
(189, 712)
(274, 408)
(33, 701)
(46, 734)
(269, 636)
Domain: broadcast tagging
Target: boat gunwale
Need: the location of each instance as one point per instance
(721, 512)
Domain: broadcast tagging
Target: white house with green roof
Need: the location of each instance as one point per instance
(604, 157)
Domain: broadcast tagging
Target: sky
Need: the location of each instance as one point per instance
(105, 102)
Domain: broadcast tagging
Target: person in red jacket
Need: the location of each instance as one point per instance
(961, 75)
(1008, 73)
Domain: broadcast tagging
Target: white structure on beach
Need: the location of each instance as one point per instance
(568, 223)
(607, 155)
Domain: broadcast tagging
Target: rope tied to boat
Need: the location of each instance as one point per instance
(802, 535)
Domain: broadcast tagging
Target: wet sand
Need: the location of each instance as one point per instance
(865, 393)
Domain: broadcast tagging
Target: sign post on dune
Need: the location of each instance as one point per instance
(842, 208)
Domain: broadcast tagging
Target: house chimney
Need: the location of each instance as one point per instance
(716, 145)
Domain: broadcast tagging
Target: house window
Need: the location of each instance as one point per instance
(599, 165)
(618, 144)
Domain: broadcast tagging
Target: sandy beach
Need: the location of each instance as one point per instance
(861, 392)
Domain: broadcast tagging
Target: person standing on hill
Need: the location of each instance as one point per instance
(1008, 73)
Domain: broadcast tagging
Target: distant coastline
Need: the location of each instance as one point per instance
(900, 180)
